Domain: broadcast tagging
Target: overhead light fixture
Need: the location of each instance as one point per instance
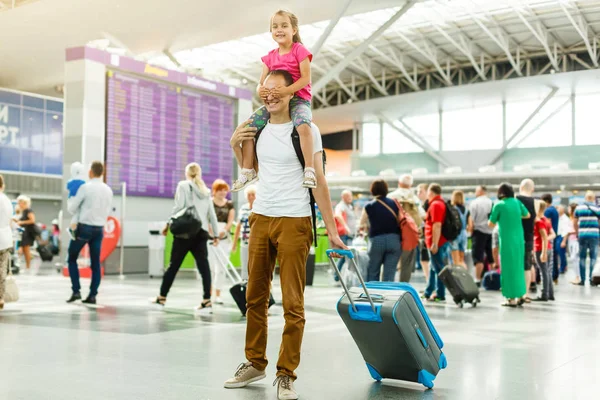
(55, 116)
(245, 81)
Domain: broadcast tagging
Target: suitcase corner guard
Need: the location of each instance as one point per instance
(374, 373)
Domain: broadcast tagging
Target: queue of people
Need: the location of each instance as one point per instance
(528, 241)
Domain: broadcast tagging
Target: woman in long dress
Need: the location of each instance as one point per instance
(507, 213)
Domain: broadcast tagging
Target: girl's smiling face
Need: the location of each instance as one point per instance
(282, 30)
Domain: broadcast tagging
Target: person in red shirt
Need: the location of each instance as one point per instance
(439, 247)
(543, 234)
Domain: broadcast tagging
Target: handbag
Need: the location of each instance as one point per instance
(11, 290)
(408, 228)
(186, 223)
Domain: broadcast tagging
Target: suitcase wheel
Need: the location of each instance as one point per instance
(474, 303)
(461, 304)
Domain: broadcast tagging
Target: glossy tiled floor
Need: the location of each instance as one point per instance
(126, 349)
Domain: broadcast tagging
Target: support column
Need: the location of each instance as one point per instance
(441, 131)
(503, 122)
(573, 123)
(84, 126)
(380, 137)
(354, 138)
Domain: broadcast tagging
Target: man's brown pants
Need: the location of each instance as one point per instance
(288, 241)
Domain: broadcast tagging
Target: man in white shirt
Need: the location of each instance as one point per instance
(92, 204)
(411, 204)
(281, 230)
(481, 233)
(346, 218)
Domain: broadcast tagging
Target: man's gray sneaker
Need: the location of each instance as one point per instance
(285, 388)
(245, 375)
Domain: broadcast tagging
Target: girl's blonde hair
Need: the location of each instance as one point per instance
(293, 20)
(458, 198)
(194, 171)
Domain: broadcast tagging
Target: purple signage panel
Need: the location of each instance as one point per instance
(154, 130)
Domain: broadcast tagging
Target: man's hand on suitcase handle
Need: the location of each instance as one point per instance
(215, 241)
(336, 243)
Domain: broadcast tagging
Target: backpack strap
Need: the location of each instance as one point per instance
(313, 211)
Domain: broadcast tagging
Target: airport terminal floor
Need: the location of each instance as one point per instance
(124, 348)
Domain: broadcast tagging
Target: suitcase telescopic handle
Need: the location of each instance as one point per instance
(225, 263)
(350, 255)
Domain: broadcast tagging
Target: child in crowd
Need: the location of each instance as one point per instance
(73, 185)
(543, 236)
(291, 56)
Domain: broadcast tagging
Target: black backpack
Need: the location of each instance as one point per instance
(298, 150)
(452, 225)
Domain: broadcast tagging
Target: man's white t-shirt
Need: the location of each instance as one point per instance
(279, 190)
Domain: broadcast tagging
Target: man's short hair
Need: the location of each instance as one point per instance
(346, 191)
(289, 79)
(435, 188)
(590, 196)
(527, 185)
(97, 169)
(547, 197)
(379, 188)
(423, 186)
(483, 188)
(406, 179)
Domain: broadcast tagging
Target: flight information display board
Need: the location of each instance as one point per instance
(31, 133)
(154, 129)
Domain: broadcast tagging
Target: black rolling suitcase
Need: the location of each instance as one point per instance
(391, 329)
(461, 285)
(238, 290)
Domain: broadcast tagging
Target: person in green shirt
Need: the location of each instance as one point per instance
(507, 214)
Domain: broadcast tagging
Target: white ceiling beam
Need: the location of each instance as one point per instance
(541, 34)
(535, 112)
(464, 48)
(246, 75)
(335, 71)
(417, 136)
(432, 153)
(332, 24)
(581, 27)
(429, 54)
(392, 58)
(366, 68)
(337, 79)
(171, 57)
(114, 40)
(501, 41)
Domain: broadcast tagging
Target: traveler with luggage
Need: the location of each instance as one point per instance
(507, 214)
(437, 244)
(242, 231)
(543, 238)
(411, 204)
(284, 214)
(6, 238)
(225, 216)
(459, 245)
(191, 198)
(385, 248)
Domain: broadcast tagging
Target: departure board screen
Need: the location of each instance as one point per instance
(154, 129)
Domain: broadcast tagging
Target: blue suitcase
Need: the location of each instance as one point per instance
(391, 328)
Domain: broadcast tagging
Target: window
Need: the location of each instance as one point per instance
(427, 126)
(472, 129)
(370, 138)
(394, 142)
(552, 124)
(587, 130)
